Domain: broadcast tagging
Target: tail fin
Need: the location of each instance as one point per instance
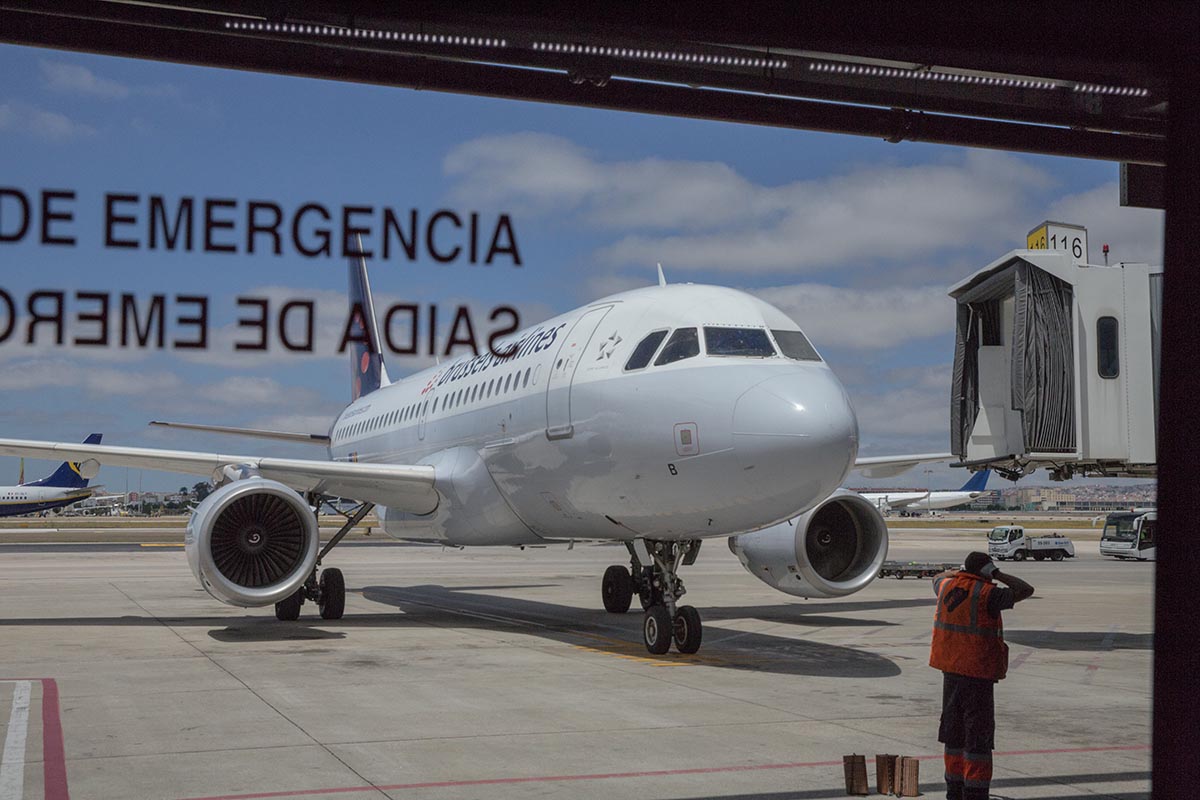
(978, 482)
(367, 372)
(67, 475)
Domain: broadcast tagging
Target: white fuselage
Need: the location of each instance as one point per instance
(923, 501)
(27, 499)
(561, 441)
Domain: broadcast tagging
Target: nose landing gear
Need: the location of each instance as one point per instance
(655, 565)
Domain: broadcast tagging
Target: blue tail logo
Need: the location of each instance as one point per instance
(67, 475)
(367, 372)
(978, 482)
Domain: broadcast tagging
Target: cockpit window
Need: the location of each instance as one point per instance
(737, 342)
(645, 350)
(684, 343)
(795, 345)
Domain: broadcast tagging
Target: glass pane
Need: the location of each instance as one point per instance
(737, 342)
(684, 343)
(1108, 361)
(794, 344)
(645, 350)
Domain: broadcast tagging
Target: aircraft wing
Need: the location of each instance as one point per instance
(890, 466)
(403, 487)
(282, 436)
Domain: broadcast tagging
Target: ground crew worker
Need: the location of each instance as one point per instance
(969, 649)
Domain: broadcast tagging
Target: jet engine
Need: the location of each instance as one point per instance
(252, 542)
(832, 550)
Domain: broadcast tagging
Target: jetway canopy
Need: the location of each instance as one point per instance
(1056, 365)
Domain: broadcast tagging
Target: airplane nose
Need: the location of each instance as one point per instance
(796, 437)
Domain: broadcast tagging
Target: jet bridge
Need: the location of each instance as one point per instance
(1056, 365)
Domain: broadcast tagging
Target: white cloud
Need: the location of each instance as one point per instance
(1133, 234)
(76, 79)
(50, 125)
(96, 381)
(704, 215)
(876, 319)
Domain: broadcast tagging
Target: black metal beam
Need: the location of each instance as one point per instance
(312, 60)
(1176, 767)
(1061, 106)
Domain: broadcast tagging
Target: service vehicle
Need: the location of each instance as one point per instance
(1130, 534)
(1011, 541)
(914, 569)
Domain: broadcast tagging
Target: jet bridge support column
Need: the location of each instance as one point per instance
(1176, 769)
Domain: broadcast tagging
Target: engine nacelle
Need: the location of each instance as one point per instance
(833, 550)
(252, 542)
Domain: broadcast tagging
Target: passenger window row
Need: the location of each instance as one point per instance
(455, 399)
(720, 341)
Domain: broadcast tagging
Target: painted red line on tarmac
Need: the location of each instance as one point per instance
(54, 759)
(611, 775)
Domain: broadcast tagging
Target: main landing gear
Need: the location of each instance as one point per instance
(329, 590)
(653, 578)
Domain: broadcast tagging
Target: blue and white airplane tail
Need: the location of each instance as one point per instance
(367, 372)
(67, 475)
(978, 482)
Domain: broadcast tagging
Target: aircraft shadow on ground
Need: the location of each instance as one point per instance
(469, 608)
(814, 614)
(620, 634)
(1081, 640)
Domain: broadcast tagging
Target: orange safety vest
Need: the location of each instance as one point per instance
(966, 639)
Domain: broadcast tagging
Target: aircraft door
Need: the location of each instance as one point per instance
(562, 373)
(426, 406)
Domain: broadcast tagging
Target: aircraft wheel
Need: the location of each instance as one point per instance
(333, 594)
(656, 630)
(617, 589)
(1057, 555)
(288, 609)
(687, 630)
(1019, 555)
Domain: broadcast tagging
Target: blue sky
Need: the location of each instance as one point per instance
(857, 239)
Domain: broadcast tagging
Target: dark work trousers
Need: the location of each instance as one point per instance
(968, 730)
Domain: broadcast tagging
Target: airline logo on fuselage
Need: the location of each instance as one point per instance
(535, 341)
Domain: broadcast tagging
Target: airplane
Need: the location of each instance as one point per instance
(64, 486)
(924, 501)
(658, 417)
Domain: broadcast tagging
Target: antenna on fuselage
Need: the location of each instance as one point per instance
(662, 279)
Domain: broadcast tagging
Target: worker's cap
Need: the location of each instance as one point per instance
(975, 562)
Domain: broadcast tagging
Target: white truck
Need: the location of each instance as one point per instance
(1011, 541)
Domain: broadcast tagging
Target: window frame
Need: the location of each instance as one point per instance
(666, 334)
(766, 334)
(695, 329)
(1115, 348)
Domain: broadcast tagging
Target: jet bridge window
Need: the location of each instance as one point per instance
(684, 343)
(751, 342)
(795, 345)
(645, 350)
(1108, 359)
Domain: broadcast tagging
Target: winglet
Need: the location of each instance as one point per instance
(662, 279)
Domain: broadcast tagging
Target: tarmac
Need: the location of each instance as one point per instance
(495, 673)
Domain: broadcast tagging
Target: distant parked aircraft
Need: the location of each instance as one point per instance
(67, 485)
(924, 501)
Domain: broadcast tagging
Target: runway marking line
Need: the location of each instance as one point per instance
(54, 761)
(658, 773)
(12, 761)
